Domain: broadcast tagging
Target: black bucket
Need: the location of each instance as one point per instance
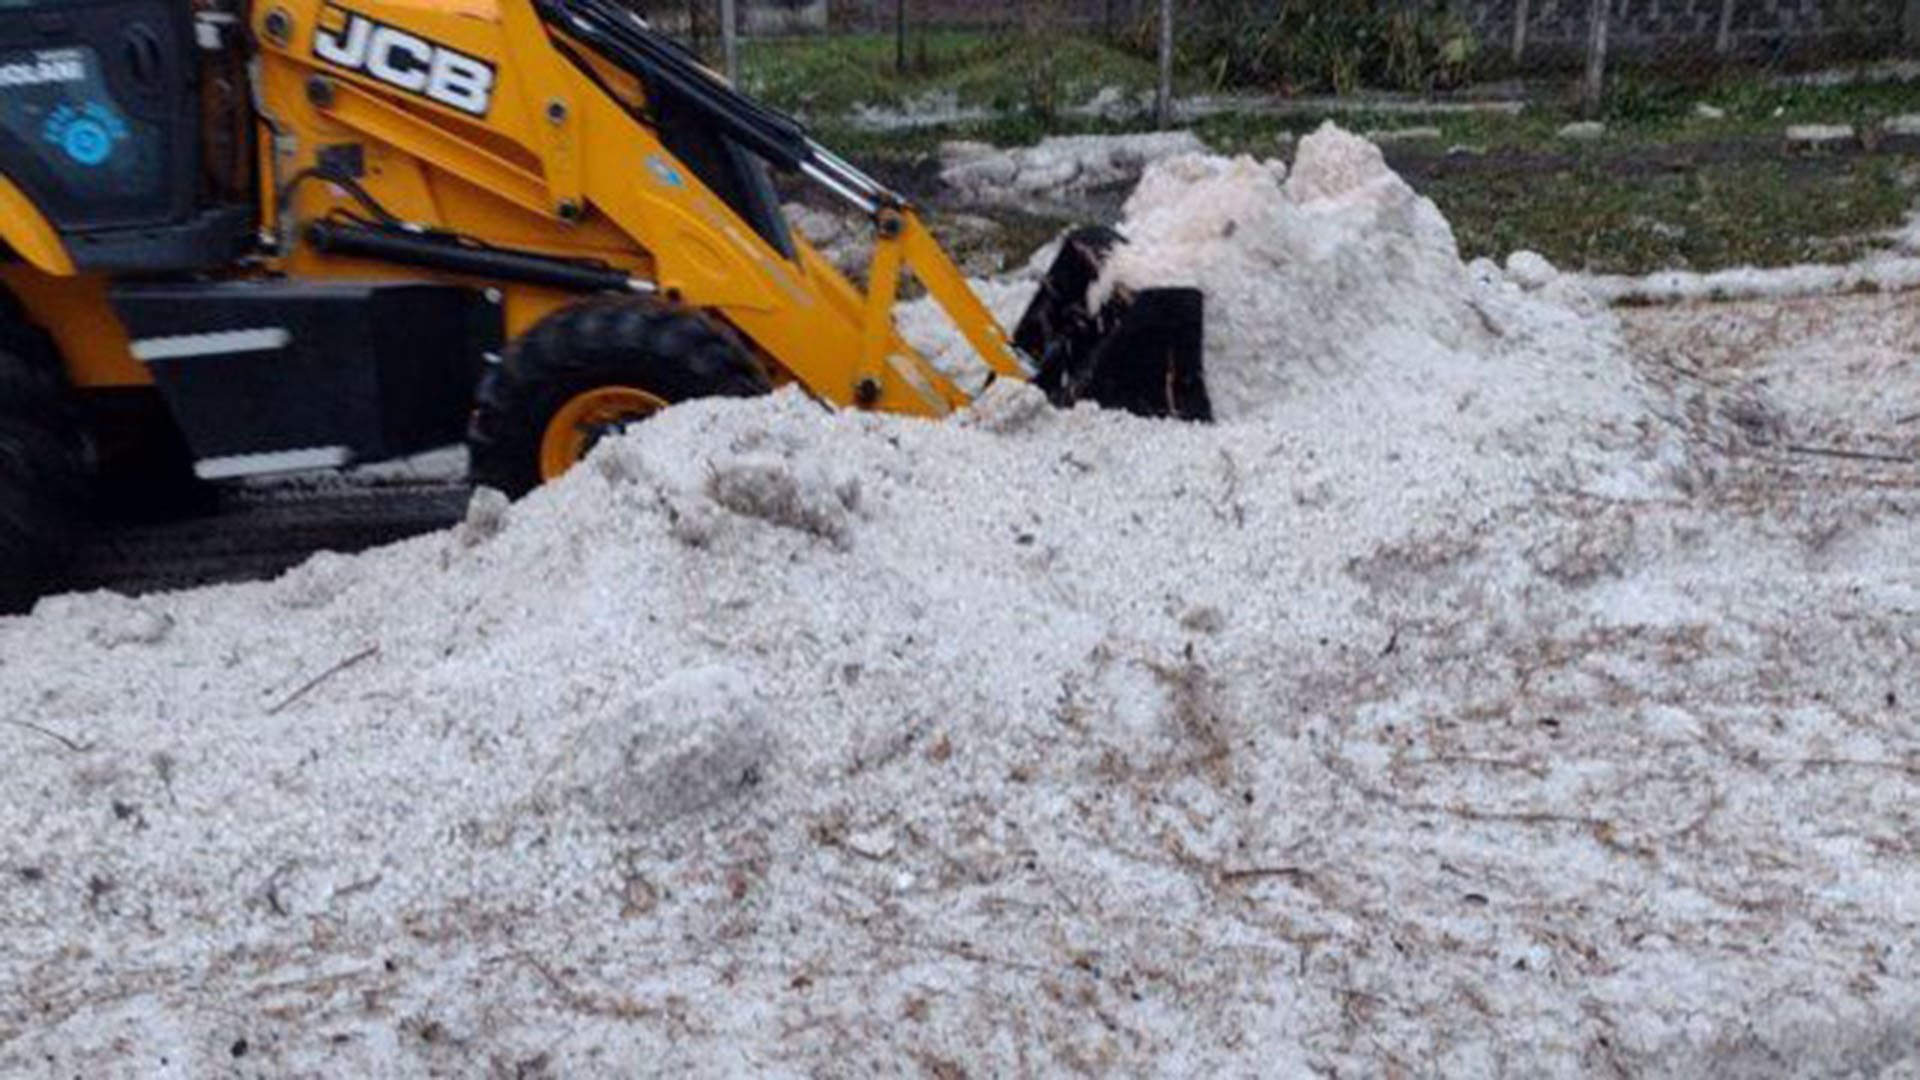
(1141, 351)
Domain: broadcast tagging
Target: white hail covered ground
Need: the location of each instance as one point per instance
(1479, 699)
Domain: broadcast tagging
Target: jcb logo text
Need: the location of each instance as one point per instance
(402, 60)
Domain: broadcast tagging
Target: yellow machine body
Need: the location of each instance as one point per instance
(552, 159)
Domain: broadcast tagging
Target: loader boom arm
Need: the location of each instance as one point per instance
(902, 240)
(905, 241)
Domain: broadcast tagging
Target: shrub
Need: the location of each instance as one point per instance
(1338, 46)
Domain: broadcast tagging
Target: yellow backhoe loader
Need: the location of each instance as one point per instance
(240, 238)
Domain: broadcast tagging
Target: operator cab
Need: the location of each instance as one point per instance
(124, 122)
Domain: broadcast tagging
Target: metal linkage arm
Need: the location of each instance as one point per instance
(671, 71)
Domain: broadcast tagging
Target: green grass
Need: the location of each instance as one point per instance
(1029, 79)
(826, 77)
(1590, 213)
(1583, 207)
(1640, 103)
(1762, 213)
(1724, 196)
(1639, 116)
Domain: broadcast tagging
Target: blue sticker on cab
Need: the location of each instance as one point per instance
(86, 132)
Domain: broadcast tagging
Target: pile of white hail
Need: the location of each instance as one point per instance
(1469, 702)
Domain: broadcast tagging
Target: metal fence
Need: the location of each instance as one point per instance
(1340, 46)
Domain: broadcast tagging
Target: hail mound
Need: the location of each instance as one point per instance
(1337, 274)
(1384, 725)
(1337, 305)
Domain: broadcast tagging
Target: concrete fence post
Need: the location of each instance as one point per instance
(1521, 16)
(1723, 41)
(1163, 102)
(730, 39)
(899, 36)
(1593, 86)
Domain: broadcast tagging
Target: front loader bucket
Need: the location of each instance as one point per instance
(1141, 351)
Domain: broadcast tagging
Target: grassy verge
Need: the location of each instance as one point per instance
(1621, 207)
(826, 77)
(1664, 188)
(1640, 116)
(1591, 215)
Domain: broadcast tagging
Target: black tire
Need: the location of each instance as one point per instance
(143, 465)
(43, 465)
(671, 352)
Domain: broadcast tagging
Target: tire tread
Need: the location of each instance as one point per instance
(673, 352)
(44, 476)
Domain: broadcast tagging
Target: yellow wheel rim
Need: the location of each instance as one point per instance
(586, 419)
